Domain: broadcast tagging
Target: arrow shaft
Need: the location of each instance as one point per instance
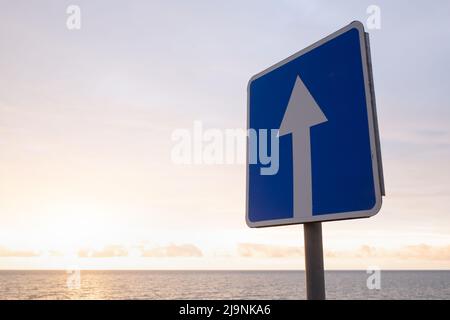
(301, 114)
(301, 142)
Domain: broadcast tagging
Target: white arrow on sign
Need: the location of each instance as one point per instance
(301, 114)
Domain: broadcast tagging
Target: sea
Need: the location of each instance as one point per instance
(220, 285)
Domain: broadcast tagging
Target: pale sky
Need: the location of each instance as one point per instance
(86, 118)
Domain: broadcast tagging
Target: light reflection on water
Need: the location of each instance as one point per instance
(219, 285)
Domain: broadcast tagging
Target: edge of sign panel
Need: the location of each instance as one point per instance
(373, 131)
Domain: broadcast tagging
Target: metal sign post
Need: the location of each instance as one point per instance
(315, 275)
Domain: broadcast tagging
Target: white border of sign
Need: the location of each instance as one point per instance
(373, 131)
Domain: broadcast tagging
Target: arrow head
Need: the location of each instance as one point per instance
(302, 111)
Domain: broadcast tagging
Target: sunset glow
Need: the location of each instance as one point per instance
(87, 119)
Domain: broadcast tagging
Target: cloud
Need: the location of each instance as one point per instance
(417, 252)
(172, 250)
(9, 253)
(109, 251)
(55, 253)
(426, 251)
(413, 252)
(422, 252)
(252, 250)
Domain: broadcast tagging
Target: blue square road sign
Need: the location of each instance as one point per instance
(320, 102)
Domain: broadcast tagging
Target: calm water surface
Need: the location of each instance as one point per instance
(219, 285)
